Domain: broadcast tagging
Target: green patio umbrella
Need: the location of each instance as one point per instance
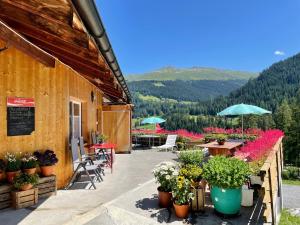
(243, 109)
(153, 120)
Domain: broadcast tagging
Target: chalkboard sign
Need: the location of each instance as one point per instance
(20, 116)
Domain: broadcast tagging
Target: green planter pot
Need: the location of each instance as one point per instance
(226, 201)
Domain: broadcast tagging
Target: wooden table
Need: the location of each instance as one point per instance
(227, 149)
(106, 146)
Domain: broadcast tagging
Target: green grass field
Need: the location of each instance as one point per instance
(288, 219)
(291, 182)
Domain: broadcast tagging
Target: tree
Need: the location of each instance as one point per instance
(283, 116)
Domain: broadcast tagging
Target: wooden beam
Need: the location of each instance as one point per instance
(73, 59)
(66, 33)
(13, 38)
(60, 10)
(44, 37)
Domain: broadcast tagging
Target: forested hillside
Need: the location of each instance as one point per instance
(181, 90)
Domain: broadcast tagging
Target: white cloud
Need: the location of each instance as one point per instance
(277, 52)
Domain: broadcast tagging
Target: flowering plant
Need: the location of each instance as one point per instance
(191, 172)
(163, 174)
(24, 178)
(48, 158)
(29, 161)
(259, 148)
(13, 162)
(181, 190)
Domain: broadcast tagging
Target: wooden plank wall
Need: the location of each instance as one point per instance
(52, 88)
(271, 187)
(116, 124)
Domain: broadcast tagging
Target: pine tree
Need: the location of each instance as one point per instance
(283, 116)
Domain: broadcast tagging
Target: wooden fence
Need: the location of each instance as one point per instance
(271, 188)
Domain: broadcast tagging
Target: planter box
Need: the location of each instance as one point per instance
(198, 203)
(23, 199)
(46, 186)
(5, 196)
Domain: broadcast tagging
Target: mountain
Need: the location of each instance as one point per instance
(191, 84)
(278, 82)
(194, 73)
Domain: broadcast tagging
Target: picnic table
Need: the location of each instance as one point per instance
(105, 146)
(228, 148)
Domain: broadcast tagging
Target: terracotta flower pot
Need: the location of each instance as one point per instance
(30, 171)
(26, 187)
(221, 142)
(181, 211)
(11, 175)
(164, 198)
(47, 170)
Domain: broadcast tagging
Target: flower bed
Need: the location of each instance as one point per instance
(259, 148)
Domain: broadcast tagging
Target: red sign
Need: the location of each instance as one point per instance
(20, 102)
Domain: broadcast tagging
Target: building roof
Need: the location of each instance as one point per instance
(56, 27)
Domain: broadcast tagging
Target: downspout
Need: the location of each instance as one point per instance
(89, 14)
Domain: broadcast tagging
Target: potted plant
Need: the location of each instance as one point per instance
(29, 163)
(25, 181)
(191, 157)
(182, 194)
(209, 138)
(46, 161)
(221, 139)
(226, 177)
(255, 166)
(194, 174)
(101, 138)
(2, 169)
(13, 166)
(163, 174)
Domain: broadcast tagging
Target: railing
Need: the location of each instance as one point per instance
(271, 188)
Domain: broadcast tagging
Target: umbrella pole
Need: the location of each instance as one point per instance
(243, 128)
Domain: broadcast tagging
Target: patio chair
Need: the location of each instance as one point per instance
(89, 158)
(170, 143)
(81, 166)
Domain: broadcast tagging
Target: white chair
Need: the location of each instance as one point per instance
(170, 143)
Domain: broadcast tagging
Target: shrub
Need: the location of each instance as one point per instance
(13, 162)
(29, 161)
(226, 172)
(48, 158)
(163, 174)
(25, 178)
(290, 173)
(191, 157)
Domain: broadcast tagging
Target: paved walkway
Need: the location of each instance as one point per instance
(80, 206)
(291, 198)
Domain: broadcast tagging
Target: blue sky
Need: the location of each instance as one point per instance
(231, 34)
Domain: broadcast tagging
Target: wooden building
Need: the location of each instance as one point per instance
(56, 55)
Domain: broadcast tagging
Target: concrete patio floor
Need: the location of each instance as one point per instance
(126, 197)
(78, 206)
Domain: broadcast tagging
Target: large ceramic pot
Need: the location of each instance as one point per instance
(11, 175)
(164, 198)
(30, 171)
(47, 170)
(226, 201)
(181, 211)
(26, 187)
